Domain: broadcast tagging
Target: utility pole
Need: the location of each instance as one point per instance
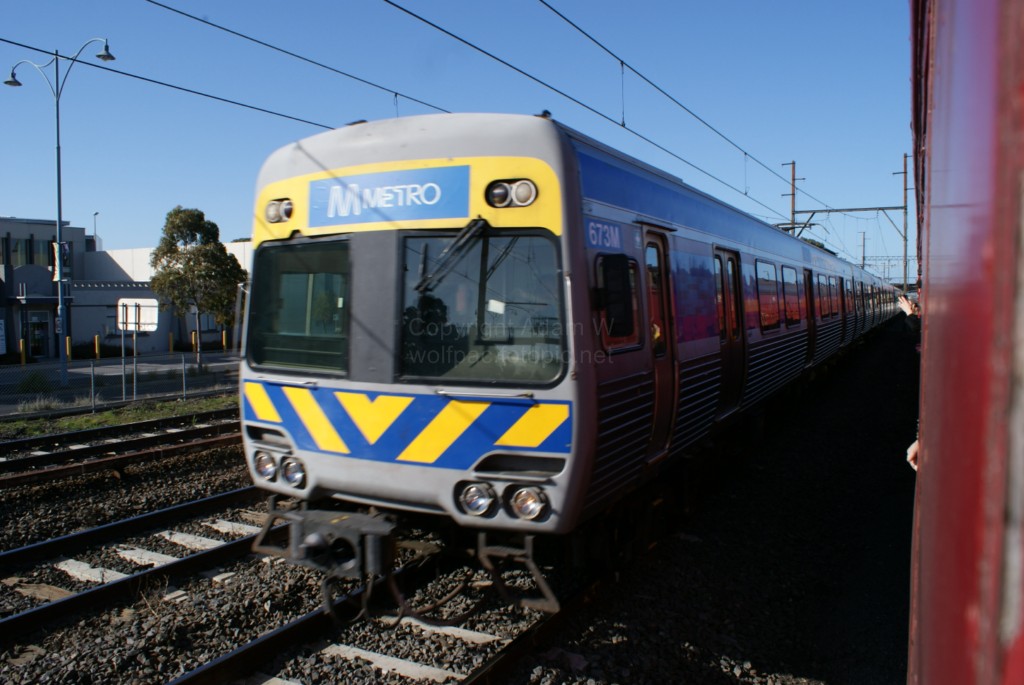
(792, 194)
(905, 180)
(863, 246)
(851, 210)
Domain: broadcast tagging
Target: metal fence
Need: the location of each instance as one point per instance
(41, 386)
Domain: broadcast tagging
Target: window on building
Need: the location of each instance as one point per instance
(19, 252)
(42, 252)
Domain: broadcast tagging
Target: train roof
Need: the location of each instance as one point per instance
(454, 135)
(428, 136)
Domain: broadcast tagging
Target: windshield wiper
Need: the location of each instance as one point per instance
(451, 255)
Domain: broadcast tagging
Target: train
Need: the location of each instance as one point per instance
(499, 322)
(967, 598)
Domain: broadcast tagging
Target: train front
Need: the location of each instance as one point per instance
(407, 337)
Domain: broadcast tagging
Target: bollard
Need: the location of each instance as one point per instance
(224, 340)
(96, 345)
(67, 346)
(92, 382)
(21, 350)
(184, 391)
(170, 342)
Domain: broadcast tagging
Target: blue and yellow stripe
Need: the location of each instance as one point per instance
(427, 430)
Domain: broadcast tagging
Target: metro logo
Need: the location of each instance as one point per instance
(351, 199)
(416, 194)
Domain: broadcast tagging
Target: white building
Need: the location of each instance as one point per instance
(98, 280)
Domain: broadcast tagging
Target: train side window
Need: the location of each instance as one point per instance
(737, 297)
(720, 297)
(657, 299)
(824, 306)
(619, 301)
(833, 290)
(768, 295)
(851, 301)
(791, 296)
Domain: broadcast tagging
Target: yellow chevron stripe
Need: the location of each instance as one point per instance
(443, 431)
(316, 422)
(260, 401)
(534, 427)
(372, 418)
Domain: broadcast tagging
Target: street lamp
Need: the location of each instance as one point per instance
(94, 215)
(57, 88)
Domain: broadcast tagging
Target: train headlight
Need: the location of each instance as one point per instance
(278, 211)
(529, 503)
(477, 499)
(293, 472)
(265, 465)
(516, 193)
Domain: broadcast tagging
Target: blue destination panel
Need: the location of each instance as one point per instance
(441, 193)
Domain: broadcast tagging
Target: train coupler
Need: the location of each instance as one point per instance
(341, 544)
(492, 557)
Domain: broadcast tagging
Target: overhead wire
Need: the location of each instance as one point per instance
(482, 51)
(575, 101)
(627, 65)
(191, 91)
(505, 63)
(295, 55)
(471, 45)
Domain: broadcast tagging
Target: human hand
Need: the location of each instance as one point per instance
(912, 453)
(908, 307)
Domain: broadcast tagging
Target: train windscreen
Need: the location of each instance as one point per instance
(482, 306)
(299, 306)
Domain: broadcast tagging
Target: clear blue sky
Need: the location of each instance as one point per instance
(824, 83)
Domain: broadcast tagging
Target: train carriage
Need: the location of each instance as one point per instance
(497, 320)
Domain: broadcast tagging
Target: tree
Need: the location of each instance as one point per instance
(192, 269)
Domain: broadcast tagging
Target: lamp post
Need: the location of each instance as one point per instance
(57, 88)
(94, 215)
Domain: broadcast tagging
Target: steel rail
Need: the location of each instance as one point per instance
(15, 464)
(76, 542)
(61, 440)
(19, 626)
(105, 463)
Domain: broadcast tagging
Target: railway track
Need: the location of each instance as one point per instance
(51, 457)
(38, 451)
(164, 576)
(384, 644)
(99, 603)
(109, 585)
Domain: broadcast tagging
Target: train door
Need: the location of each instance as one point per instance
(849, 317)
(662, 344)
(730, 329)
(812, 324)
